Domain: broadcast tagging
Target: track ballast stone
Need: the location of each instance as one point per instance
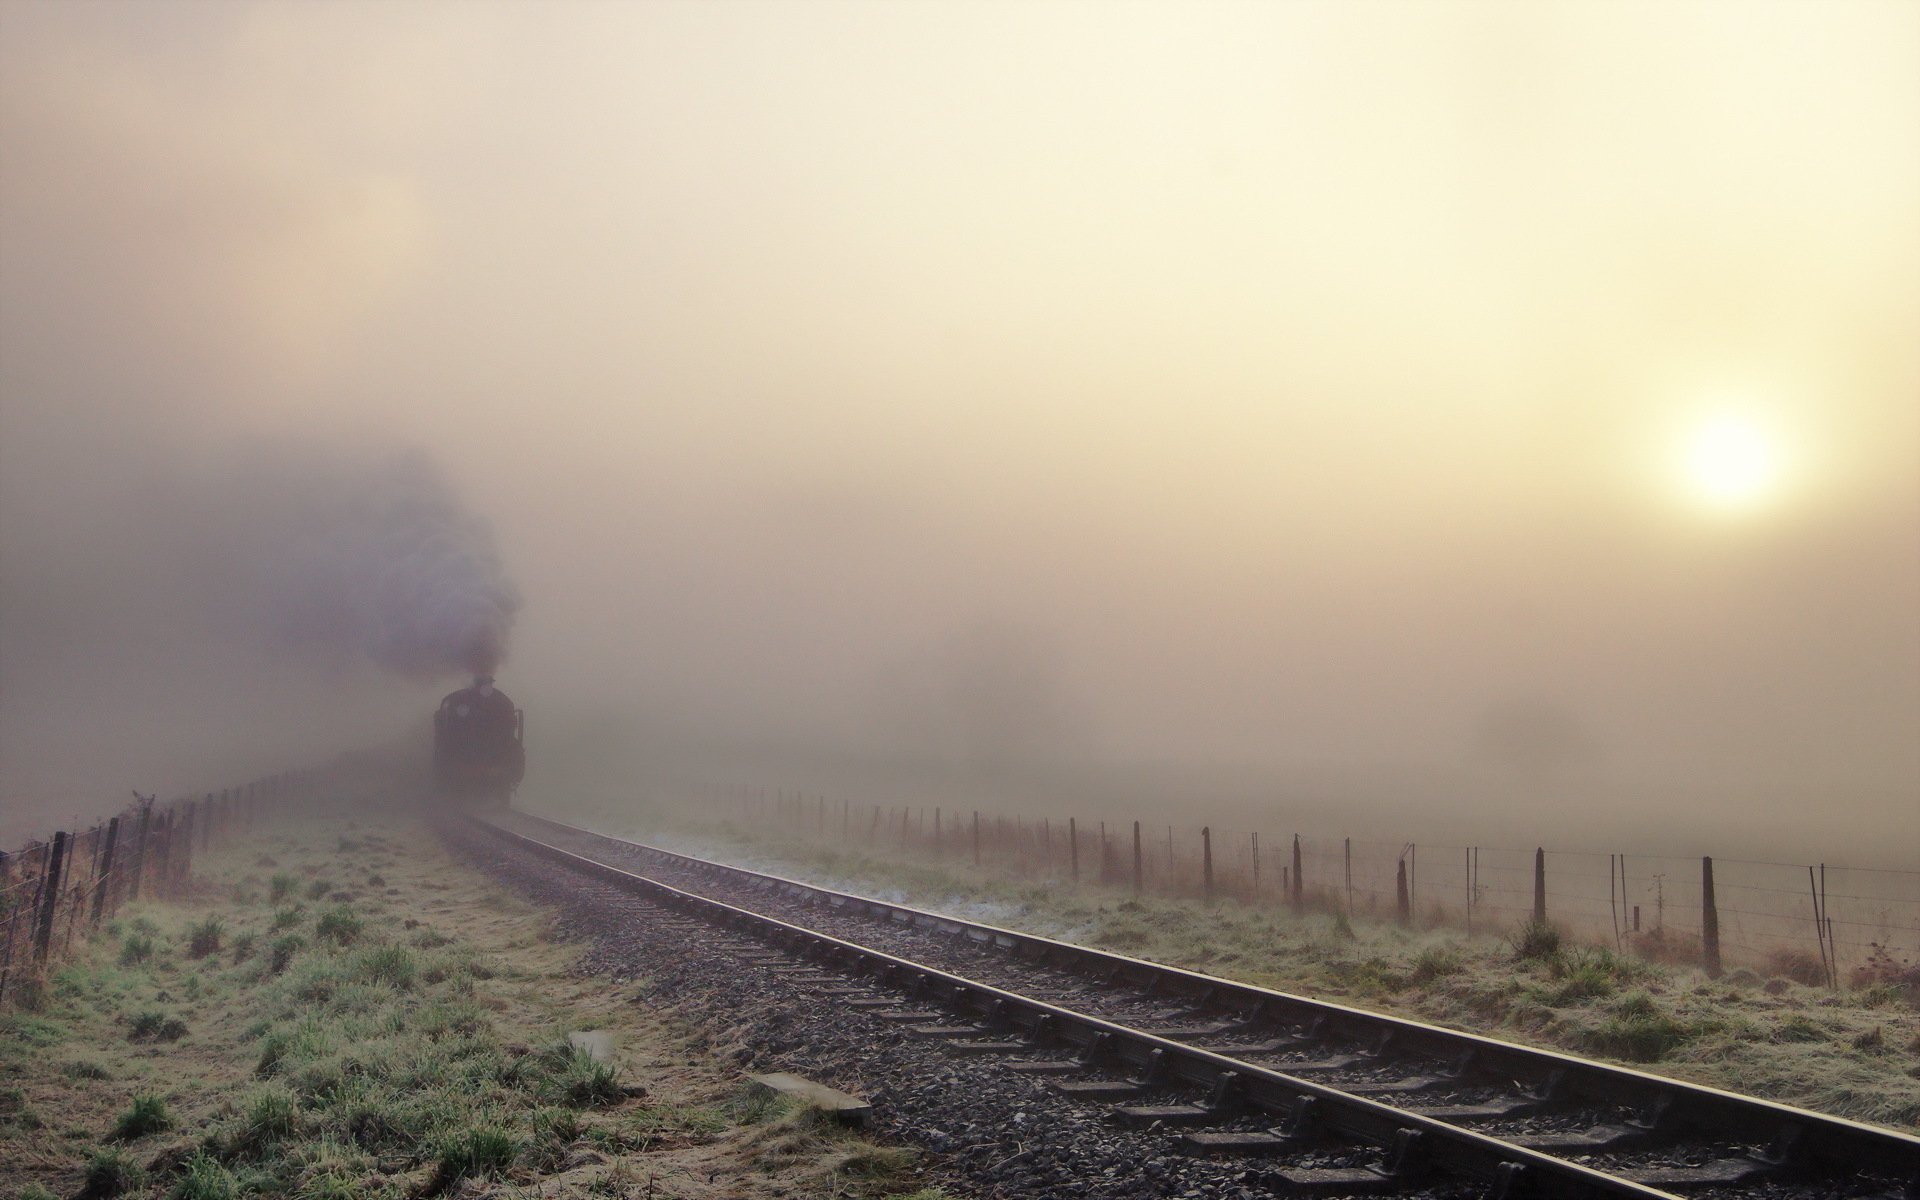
(995, 1132)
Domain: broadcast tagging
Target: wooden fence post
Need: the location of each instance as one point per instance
(184, 867)
(1349, 859)
(1137, 873)
(139, 851)
(1206, 861)
(1709, 921)
(1402, 905)
(105, 877)
(1299, 888)
(1539, 886)
(50, 897)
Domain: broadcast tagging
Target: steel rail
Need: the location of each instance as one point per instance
(1513, 1172)
(1838, 1146)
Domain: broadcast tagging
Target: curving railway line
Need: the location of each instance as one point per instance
(1328, 1100)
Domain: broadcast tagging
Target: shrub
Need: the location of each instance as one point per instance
(270, 1116)
(14, 1109)
(204, 939)
(583, 1081)
(112, 1172)
(286, 918)
(86, 1068)
(273, 1052)
(1535, 941)
(1434, 963)
(283, 950)
(1586, 982)
(391, 965)
(1797, 965)
(204, 1179)
(1637, 1030)
(242, 948)
(138, 948)
(148, 1115)
(281, 887)
(338, 925)
(154, 1025)
(471, 1153)
(554, 1129)
(1887, 977)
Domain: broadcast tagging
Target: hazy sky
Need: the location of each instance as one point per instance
(1522, 397)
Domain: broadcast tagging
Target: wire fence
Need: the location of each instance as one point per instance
(56, 891)
(1815, 923)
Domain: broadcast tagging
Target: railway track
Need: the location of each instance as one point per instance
(1330, 1100)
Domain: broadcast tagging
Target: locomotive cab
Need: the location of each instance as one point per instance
(479, 756)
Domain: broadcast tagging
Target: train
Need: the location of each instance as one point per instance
(479, 746)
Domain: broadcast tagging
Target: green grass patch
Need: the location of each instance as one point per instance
(111, 1171)
(338, 925)
(153, 1025)
(148, 1114)
(136, 949)
(204, 938)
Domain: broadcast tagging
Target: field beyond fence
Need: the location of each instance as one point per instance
(1813, 922)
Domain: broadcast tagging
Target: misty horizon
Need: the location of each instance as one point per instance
(1471, 420)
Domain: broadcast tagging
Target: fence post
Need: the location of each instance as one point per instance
(1137, 871)
(105, 879)
(1709, 920)
(1073, 848)
(1206, 860)
(1466, 873)
(1299, 893)
(1539, 885)
(179, 871)
(50, 897)
(1403, 909)
(140, 851)
(163, 828)
(1349, 860)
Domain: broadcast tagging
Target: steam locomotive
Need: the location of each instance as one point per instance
(478, 753)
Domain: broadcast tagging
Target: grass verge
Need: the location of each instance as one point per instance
(343, 1011)
(1854, 1053)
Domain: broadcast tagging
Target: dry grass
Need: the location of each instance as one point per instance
(1780, 1035)
(399, 1044)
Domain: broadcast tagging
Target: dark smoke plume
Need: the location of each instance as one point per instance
(382, 559)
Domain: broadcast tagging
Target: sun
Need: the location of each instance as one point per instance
(1730, 462)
